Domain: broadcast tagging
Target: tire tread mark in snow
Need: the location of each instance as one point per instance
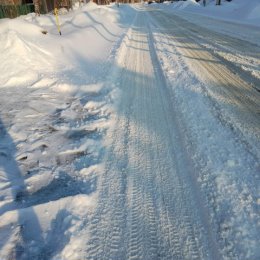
(106, 227)
(142, 238)
(145, 206)
(186, 181)
(230, 84)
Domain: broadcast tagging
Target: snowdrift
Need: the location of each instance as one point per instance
(242, 11)
(54, 111)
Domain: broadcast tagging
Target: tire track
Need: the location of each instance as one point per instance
(236, 101)
(142, 228)
(146, 207)
(179, 38)
(107, 224)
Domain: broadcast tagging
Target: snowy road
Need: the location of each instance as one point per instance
(229, 83)
(135, 135)
(148, 202)
(150, 206)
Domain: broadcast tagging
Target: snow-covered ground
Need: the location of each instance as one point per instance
(55, 105)
(198, 97)
(133, 135)
(241, 11)
(238, 19)
(223, 18)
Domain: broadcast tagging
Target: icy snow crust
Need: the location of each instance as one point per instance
(114, 143)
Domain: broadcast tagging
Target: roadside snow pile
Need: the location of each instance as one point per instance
(55, 107)
(238, 10)
(184, 4)
(25, 48)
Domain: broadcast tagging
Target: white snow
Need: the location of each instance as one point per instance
(55, 106)
(230, 18)
(241, 11)
(228, 175)
(113, 145)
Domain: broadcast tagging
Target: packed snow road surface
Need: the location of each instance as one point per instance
(142, 142)
(150, 205)
(220, 62)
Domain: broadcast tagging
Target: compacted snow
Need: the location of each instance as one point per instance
(133, 135)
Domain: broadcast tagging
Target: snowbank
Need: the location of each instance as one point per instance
(55, 107)
(241, 11)
(87, 32)
(184, 4)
